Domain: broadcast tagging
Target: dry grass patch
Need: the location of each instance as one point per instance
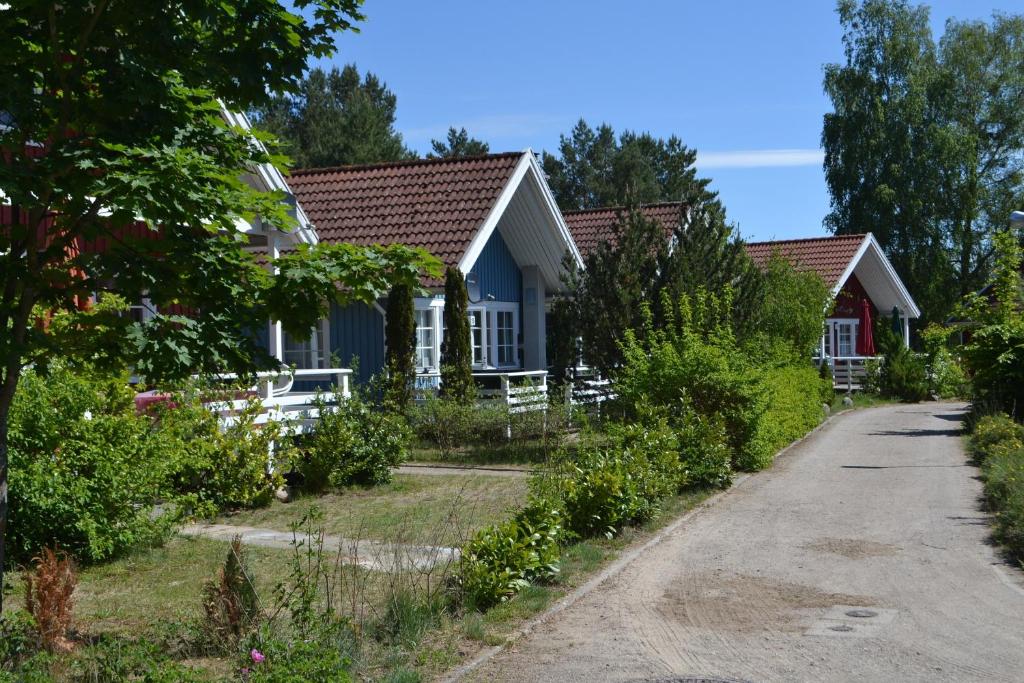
(413, 509)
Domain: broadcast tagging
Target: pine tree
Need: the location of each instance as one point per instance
(456, 350)
(400, 337)
(337, 117)
(458, 144)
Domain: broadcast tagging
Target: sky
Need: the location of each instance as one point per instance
(740, 81)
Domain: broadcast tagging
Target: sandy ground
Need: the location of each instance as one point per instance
(861, 556)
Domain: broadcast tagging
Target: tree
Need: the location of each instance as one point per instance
(594, 169)
(456, 350)
(336, 118)
(114, 135)
(923, 146)
(458, 144)
(400, 338)
(792, 307)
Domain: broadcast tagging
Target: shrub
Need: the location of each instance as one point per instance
(456, 351)
(19, 640)
(322, 657)
(400, 342)
(994, 434)
(230, 601)
(501, 560)
(622, 480)
(450, 425)
(704, 455)
(998, 443)
(49, 598)
(214, 467)
(353, 443)
(795, 395)
(685, 370)
(85, 470)
(903, 376)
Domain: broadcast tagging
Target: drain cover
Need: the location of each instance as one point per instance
(862, 613)
(842, 628)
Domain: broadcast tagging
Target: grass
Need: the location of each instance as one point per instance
(133, 593)
(529, 452)
(413, 508)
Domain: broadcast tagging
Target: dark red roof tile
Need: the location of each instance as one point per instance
(591, 227)
(827, 256)
(437, 204)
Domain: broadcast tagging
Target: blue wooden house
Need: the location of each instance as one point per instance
(493, 217)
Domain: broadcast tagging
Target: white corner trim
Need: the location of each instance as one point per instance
(852, 265)
(526, 164)
(549, 199)
(912, 310)
(476, 246)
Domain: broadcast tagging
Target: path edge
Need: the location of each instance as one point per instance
(624, 560)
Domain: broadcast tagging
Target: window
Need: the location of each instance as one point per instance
(306, 354)
(426, 349)
(841, 338)
(505, 338)
(141, 311)
(477, 335)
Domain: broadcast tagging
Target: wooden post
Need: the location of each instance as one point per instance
(508, 406)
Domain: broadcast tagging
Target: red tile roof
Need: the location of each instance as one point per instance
(437, 204)
(828, 256)
(590, 227)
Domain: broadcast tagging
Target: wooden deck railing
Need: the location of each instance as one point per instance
(522, 390)
(298, 409)
(848, 372)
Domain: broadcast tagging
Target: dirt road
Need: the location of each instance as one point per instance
(861, 556)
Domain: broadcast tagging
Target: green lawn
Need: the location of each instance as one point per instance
(415, 509)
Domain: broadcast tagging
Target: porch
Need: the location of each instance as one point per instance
(848, 372)
(295, 408)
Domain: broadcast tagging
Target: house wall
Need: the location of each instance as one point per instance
(849, 303)
(498, 273)
(357, 330)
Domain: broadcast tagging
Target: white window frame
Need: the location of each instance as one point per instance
(832, 345)
(316, 348)
(433, 309)
(483, 346)
(493, 309)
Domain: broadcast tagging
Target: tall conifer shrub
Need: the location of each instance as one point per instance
(456, 350)
(400, 337)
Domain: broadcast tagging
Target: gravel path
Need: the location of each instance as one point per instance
(467, 470)
(876, 514)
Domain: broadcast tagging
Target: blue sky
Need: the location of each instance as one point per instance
(738, 80)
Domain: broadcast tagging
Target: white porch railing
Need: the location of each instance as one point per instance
(587, 388)
(848, 372)
(522, 391)
(280, 403)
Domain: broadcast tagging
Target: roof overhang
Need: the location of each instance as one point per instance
(267, 178)
(529, 221)
(879, 279)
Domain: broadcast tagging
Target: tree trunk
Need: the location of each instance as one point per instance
(5, 405)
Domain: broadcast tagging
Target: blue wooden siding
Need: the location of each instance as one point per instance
(498, 272)
(357, 331)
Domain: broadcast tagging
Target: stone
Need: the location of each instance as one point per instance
(848, 401)
(827, 408)
(283, 494)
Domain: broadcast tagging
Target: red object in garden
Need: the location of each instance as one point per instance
(145, 401)
(865, 335)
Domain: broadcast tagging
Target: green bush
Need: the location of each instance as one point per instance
(795, 395)
(903, 376)
(450, 425)
(213, 467)
(85, 470)
(998, 444)
(353, 442)
(606, 485)
(704, 455)
(995, 434)
(501, 560)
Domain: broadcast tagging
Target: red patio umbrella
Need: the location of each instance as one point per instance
(865, 335)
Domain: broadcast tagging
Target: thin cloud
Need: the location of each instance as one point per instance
(760, 158)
